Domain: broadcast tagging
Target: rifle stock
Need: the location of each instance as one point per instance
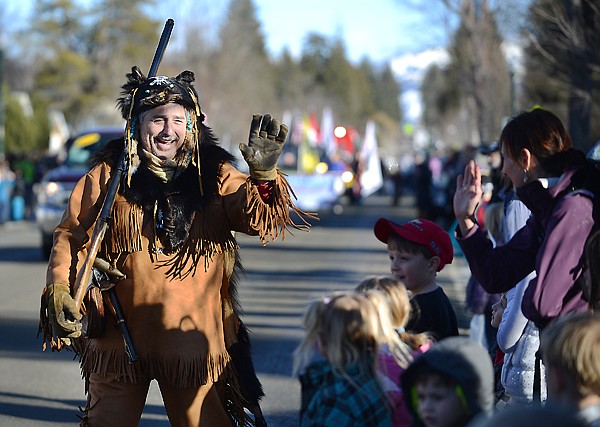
(83, 276)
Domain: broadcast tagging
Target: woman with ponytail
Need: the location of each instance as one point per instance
(553, 180)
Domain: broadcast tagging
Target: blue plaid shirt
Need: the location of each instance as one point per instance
(333, 400)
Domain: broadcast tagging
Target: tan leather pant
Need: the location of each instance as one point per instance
(117, 404)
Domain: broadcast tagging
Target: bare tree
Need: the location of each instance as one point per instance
(564, 36)
(472, 94)
(481, 69)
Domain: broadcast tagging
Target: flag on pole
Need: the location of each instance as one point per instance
(311, 129)
(308, 156)
(371, 176)
(328, 142)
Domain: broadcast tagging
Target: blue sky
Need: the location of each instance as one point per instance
(378, 29)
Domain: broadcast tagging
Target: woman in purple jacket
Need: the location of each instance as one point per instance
(546, 171)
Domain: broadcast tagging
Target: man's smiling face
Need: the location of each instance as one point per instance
(162, 130)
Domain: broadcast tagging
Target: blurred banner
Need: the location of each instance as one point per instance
(370, 174)
(328, 142)
(308, 155)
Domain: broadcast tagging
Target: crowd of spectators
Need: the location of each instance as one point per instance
(531, 240)
(18, 176)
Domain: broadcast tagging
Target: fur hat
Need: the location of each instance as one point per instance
(142, 93)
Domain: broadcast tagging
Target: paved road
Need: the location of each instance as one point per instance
(44, 389)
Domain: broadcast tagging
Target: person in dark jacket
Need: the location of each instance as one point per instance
(546, 172)
(531, 415)
(450, 384)
(592, 275)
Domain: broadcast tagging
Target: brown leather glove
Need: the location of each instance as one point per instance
(62, 313)
(264, 146)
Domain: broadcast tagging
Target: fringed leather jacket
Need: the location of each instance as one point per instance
(177, 247)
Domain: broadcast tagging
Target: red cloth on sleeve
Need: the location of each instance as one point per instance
(265, 189)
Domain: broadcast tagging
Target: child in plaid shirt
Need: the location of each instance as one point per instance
(399, 347)
(337, 365)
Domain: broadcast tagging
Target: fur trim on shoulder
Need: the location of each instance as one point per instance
(109, 154)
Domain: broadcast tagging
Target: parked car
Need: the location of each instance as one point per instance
(53, 191)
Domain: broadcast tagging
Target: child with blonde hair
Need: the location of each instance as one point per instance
(570, 348)
(397, 347)
(340, 386)
(400, 308)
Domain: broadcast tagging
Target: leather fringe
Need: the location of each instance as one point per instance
(182, 374)
(125, 230)
(234, 399)
(272, 219)
(209, 236)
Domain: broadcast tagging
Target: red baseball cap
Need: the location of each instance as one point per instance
(421, 231)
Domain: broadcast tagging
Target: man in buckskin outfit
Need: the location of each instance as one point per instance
(171, 233)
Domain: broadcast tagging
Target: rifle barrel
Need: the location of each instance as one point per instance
(162, 46)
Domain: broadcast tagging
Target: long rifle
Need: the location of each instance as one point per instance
(83, 276)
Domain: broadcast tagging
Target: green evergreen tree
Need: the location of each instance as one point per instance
(441, 99)
(467, 101)
(291, 82)
(385, 90)
(26, 133)
(243, 75)
(82, 52)
(355, 93)
(316, 51)
(122, 35)
(63, 71)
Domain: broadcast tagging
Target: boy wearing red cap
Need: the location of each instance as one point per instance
(418, 250)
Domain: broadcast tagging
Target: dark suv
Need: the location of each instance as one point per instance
(54, 190)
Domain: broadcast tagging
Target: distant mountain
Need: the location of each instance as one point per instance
(410, 69)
